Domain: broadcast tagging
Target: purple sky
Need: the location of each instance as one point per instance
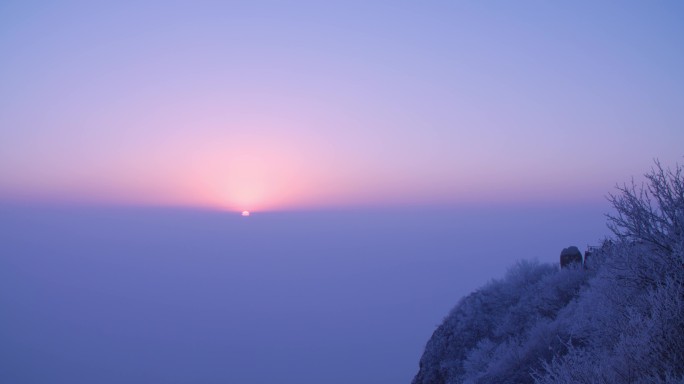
(285, 105)
(510, 120)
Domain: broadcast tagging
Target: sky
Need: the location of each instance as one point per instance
(395, 156)
(302, 105)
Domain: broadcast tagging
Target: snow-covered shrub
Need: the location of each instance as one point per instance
(486, 336)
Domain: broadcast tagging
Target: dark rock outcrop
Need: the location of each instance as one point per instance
(570, 255)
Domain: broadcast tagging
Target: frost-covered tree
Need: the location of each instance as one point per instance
(628, 325)
(620, 321)
(652, 213)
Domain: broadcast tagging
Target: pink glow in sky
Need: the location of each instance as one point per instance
(266, 105)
